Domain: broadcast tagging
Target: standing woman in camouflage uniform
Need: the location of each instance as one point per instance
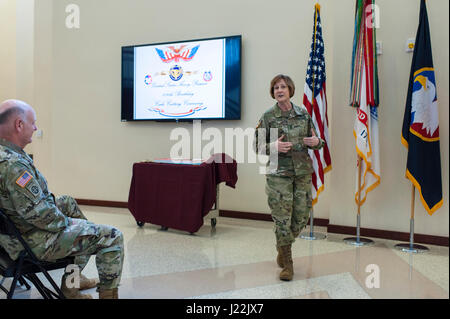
(285, 132)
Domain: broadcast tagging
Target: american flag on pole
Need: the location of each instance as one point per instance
(364, 96)
(315, 102)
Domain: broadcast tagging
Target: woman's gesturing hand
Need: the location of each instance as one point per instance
(311, 141)
(283, 147)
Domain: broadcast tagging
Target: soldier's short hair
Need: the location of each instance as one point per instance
(286, 79)
(9, 113)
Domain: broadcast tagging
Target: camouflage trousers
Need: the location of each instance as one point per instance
(290, 202)
(106, 242)
(69, 207)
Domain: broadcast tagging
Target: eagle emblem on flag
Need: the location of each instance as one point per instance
(424, 109)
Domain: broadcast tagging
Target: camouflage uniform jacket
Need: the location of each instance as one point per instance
(294, 125)
(25, 198)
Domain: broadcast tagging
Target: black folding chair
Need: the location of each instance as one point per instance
(26, 266)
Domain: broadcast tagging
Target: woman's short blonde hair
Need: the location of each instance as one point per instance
(286, 79)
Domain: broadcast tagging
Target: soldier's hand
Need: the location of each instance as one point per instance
(283, 147)
(311, 141)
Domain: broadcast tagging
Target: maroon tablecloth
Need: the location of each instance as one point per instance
(178, 195)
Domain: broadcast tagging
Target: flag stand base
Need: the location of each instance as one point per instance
(311, 235)
(355, 241)
(414, 248)
(411, 247)
(358, 241)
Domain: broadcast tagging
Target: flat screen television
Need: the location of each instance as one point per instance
(182, 81)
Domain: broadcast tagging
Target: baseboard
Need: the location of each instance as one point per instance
(244, 215)
(103, 203)
(388, 234)
(266, 217)
(337, 229)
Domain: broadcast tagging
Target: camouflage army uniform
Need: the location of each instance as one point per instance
(53, 228)
(288, 184)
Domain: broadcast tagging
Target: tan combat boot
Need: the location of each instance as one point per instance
(109, 293)
(280, 258)
(86, 283)
(288, 270)
(72, 293)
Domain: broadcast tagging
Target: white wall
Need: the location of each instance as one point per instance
(8, 49)
(17, 51)
(25, 50)
(87, 152)
(43, 87)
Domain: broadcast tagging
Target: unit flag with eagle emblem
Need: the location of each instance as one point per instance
(420, 132)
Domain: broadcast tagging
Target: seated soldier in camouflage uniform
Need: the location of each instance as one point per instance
(288, 179)
(53, 227)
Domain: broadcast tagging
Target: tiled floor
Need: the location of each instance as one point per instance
(237, 260)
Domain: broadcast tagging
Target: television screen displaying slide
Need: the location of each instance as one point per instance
(185, 80)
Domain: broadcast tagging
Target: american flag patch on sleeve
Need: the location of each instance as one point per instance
(23, 180)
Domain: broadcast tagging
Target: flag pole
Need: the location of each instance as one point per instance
(411, 247)
(358, 241)
(358, 218)
(311, 235)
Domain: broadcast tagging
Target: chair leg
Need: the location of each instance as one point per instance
(16, 277)
(39, 286)
(48, 292)
(1, 285)
(22, 281)
(4, 289)
(52, 294)
(55, 286)
(13, 284)
(11, 289)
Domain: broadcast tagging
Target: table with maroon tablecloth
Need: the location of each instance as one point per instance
(178, 196)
